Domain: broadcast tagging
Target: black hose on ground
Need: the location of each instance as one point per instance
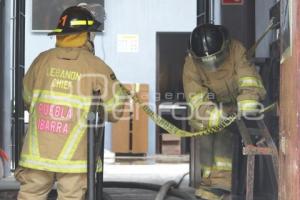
(163, 191)
(147, 186)
(175, 192)
(106, 196)
(181, 180)
(130, 185)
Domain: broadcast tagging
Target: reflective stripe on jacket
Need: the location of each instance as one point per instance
(236, 81)
(58, 90)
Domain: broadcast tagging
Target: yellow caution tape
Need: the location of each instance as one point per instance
(179, 132)
(182, 133)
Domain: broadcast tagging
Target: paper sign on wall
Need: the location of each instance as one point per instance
(128, 43)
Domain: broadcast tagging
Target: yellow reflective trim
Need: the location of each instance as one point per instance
(82, 22)
(62, 99)
(27, 96)
(115, 101)
(250, 81)
(61, 94)
(55, 101)
(34, 146)
(33, 134)
(99, 166)
(247, 105)
(197, 100)
(57, 30)
(206, 171)
(61, 166)
(207, 194)
(74, 139)
(222, 163)
(215, 117)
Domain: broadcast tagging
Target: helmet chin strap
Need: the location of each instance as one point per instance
(92, 36)
(91, 45)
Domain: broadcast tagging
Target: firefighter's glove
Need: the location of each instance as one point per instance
(248, 108)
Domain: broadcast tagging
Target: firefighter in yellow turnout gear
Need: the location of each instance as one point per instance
(58, 91)
(218, 80)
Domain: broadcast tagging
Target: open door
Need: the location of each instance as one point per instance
(171, 52)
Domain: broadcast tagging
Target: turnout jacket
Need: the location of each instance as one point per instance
(58, 90)
(235, 82)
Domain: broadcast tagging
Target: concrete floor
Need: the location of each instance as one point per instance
(155, 170)
(153, 173)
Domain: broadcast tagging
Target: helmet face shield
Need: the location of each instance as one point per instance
(92, 36)
(97, 10)
(209, 44)
(214, 61)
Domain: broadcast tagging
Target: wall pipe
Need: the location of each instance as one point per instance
(19, 74)
(5, 82)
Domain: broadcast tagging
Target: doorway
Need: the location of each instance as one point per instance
(171, 52)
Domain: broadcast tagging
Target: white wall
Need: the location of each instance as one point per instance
(217, 12)
(262, 8)
(142, 17)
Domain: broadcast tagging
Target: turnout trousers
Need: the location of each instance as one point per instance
(36, 184)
